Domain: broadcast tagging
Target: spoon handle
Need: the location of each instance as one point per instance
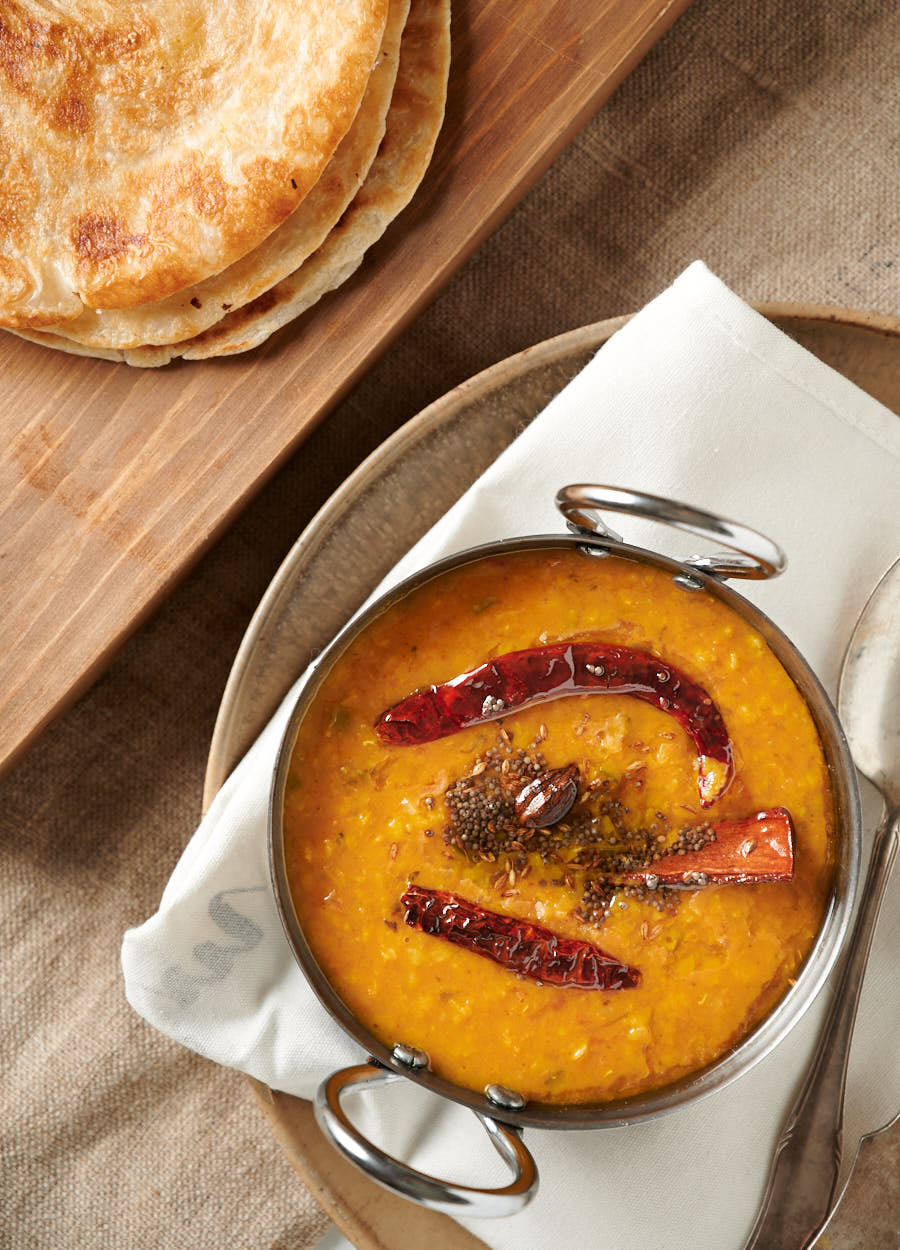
(808, 1156)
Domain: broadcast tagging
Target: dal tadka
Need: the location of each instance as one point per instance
(713, 908)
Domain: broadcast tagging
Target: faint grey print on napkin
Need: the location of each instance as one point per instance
(185, 987)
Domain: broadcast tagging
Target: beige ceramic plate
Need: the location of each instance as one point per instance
(379, 512)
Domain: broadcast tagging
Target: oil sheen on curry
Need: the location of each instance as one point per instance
(561, 824)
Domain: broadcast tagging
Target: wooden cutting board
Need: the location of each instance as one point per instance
(113, 481)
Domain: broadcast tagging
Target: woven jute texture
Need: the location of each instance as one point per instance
(763, 138)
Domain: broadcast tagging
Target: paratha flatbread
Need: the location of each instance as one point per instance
(413, 122)
(144, 147)
(189, 312)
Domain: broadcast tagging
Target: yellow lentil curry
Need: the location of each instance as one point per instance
(365, 818)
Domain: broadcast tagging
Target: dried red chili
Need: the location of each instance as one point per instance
(756, 848)
(522, 678)
(526, 948)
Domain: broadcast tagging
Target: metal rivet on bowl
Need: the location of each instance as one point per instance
(591, 550)
(508, 1099)
(409, 1056)
(686, 582)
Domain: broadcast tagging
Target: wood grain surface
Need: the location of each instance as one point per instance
(113, 481)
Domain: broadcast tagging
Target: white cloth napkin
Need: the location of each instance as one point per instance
(701, 399)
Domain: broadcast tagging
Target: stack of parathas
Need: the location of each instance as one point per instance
(182, 179)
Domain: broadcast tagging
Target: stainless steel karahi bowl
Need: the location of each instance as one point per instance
(503, 1112)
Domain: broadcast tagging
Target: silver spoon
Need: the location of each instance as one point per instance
(803, 1180)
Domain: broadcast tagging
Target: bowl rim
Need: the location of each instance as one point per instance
(754, 1047)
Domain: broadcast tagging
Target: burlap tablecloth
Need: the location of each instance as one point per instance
(761, 137)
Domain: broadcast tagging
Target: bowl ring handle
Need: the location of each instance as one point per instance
(427, 1190)
(751, 554)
